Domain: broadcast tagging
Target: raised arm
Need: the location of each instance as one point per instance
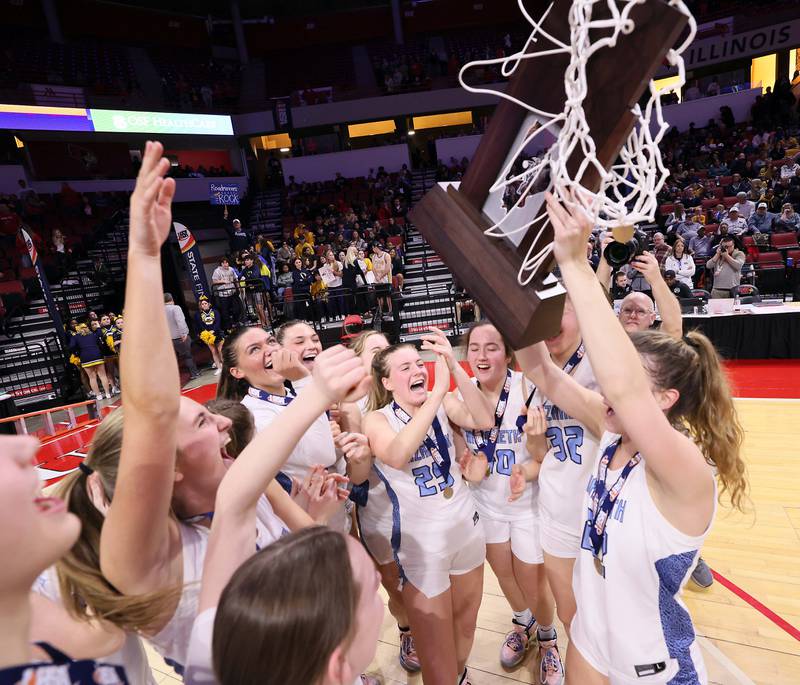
(473, 411)
(337, 373)
(134, 545)
(672, 458)
(562, 389)
(396, 449)
(668, 306)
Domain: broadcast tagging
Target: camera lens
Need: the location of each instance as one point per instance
(617, 254)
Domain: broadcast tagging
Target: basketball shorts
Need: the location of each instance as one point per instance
(430, 572)
(556, 539)
(376, 533)
(523, 535)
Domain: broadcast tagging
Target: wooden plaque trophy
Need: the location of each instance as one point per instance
(454, 220)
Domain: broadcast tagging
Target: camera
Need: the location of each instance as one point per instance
(618, 254)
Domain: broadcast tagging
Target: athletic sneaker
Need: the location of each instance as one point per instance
(408, 653)
(516, 645)
(114, 391)
(702, 574)
(369, 680)
(551, 670)
(100, 396)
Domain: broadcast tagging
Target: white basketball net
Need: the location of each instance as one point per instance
(627, 192)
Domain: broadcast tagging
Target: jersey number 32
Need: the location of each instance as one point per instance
(565, 443)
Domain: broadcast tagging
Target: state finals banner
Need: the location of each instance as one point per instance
(55, 316)
(194, 262)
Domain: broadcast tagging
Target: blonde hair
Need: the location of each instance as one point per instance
(359, 343)
(85, 591)
(379, 396)
(351, 255)
(704, 405)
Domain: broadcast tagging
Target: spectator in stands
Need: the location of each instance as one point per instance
(352, 278)
(787, 220)
(700, 244)
(301, 289)
(209, 325)
(681, 263)
(735, 223)
(718, 214)
(285, 253)
(737, 185)
(332, 276)
(398, 267)
(761, 220)
(660, 248)
(677, 216)
(744, 206)
(255, 288)
(620, 286)
(692, 92)
(678, 288)
(382, 266)
(790, 169)
(284, 279)
(223, 282)
(726, 265)
(179, 333)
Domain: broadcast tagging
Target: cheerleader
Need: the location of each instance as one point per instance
(209, 323)
(107, 332)
(437, 538)
(87, 346)
(505, 457)
(43, 530)
(650, 501)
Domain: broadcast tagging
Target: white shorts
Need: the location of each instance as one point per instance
(430, 573)
(556, 540)
(376, 536)
(594, 651)
(523, 534)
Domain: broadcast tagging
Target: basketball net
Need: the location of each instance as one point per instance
(627, 192)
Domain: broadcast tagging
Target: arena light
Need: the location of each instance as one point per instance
(412, 132)
(438, 120)
(371, 128)
(284, 149)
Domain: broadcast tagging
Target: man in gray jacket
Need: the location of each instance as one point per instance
(726, 265)
(179, 332)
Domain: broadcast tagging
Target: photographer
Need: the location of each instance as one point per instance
(637, 312)
(726, 265)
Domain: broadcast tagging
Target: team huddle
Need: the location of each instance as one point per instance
(246, 540)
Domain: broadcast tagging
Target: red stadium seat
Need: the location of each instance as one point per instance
(794, 255)
(770, 259)
(666, 209)
(395, 240)
(728, 202)
(784, 241)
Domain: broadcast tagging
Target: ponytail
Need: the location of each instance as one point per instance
(704, 406)
(85, 591)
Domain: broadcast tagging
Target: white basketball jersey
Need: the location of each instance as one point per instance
(131, 656)
(315, 447)
(634, 616)
(492, 493)
(568, 461)
(419, 492)
(172, 641)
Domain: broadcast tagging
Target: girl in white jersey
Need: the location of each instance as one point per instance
(668, 417)
(248, 374)
(510, 516)
(437, 538)
(38, 531)
(374, 509)
(565, 467)
(146, 494)
(247, 647)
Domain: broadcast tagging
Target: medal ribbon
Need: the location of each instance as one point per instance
(439, 447)
(487, 440)
(603, 499)
(568, 368)
(280, 400)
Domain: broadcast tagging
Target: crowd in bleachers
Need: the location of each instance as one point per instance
(341, 253)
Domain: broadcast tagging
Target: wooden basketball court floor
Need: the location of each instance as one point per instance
(748, 622)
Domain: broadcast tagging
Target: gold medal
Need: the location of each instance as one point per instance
(598, 566)
(447, 492)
